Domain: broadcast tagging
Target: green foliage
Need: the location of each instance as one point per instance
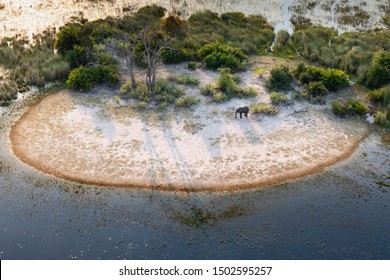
(379, 72)
(8, 91)
(277, 98)
(187, 101)
(263, 108)
(185, 80)
(208, 90)
(166, 92)
(34, 64)
(216, 55)
(77, 57)
(349, 107)
(350, 51)
(335, 79)
(332, 79)
(153, 11)
(84, 78)
(281, 78)
(382, 117)
(67, 38)
(251, 34)
(219, 96)
(191, 66)
(316, 89)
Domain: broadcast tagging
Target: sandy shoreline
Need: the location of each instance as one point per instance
(84, 138)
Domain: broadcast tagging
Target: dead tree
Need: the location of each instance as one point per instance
(154, 40)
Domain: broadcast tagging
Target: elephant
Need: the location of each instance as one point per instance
(242, 110)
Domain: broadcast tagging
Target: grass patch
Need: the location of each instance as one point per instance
(349, 107)
(277, 98)
(263, 108)
(185, 80)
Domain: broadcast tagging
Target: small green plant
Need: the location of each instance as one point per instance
(185, 80)
(349, 107)
(382, 117)
(219, 97)
(192, 66)
(259, 71)
(316, 89)
(263, 108)
(187, 101)
(277, 98)
(208, 90)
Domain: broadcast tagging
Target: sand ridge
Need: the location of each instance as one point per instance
(85, 138)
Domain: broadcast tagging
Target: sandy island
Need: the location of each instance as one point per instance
(87, 139)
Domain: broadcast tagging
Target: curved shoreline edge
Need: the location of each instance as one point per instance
(18, 152)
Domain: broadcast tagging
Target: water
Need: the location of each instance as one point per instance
(341, 213)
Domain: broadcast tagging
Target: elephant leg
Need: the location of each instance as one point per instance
(246, 114)
(240, 115)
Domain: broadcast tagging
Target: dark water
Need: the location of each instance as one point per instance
(342, 213)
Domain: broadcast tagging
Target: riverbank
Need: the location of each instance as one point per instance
(87, 138)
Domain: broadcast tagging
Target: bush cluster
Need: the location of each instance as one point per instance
(185, 80)
(83, 78)
(277, 98)
(319, 81)
(281, 78)
(216, 55)
(263, 108)
(349, 107)
(187, 101)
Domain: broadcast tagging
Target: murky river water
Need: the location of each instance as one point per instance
(341, 213)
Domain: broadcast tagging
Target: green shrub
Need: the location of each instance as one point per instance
(208, 90)
(382, 117)
(219, 96)
(379, 72)
(77, 57)
(67, 38)
(185, 80)
(376, 96)
(165, 92)
(339, 108)
(84, 78)
(192, 66)
(216, 55)
(349, 107)
(357, 107)
(316, 89)
(336, 79)
(226, 83)
(263, 108)
(281, 79)
(187, 101)
(277, 98)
